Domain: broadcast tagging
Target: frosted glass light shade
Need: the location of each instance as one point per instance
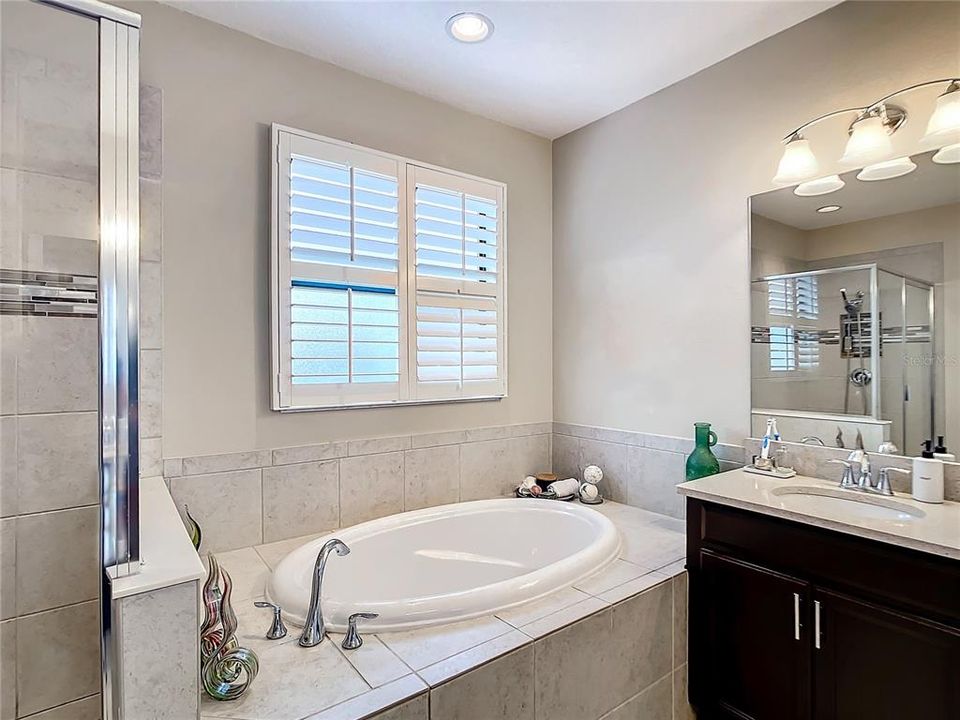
(798, 163)
(947, 155)
(887, 170)
(943, 127)
(820, 186)
(869, 142)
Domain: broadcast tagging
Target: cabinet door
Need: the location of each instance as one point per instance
(871, 662)
(756, 659)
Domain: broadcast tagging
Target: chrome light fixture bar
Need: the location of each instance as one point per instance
(869, 142)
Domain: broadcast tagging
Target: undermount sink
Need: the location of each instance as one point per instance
(852, 502)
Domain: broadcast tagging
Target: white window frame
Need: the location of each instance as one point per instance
(285, 140)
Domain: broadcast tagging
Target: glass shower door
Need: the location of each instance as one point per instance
(49, 268)
(69, 216)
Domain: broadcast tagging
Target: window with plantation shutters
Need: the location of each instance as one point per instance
(794, 347)
(457, 303)
(387, 278)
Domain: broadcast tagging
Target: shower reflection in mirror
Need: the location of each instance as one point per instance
(855, 313)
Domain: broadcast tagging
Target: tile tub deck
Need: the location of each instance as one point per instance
(327, 683)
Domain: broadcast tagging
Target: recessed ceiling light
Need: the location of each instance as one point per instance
(828, 208)
(469, 27)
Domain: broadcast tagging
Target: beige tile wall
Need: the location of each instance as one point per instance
(48, 371)
(249, 498)
(626, 661)
(640, 469)
(159, 653)
(49, 432)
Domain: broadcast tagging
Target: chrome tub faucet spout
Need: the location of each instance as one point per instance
(313, 630)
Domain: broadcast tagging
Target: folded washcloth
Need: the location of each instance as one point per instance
(563, 488)
(528, 482)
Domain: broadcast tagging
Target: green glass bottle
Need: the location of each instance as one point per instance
(702, 461)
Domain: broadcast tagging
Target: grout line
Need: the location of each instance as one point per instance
(636, 695)
(349, 662)
(52, 609)
(61, 705)
(50, 512)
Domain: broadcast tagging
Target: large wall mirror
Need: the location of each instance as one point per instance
(855, 309)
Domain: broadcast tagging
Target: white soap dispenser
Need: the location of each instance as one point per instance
(927, 476)
(940, 452)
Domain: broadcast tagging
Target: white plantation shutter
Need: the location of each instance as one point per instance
(797, 347)
(341, 320)
(458, 299)
(388, 279)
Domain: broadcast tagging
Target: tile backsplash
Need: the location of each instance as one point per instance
(639, 469)
(248, 498)
(814, 461)
(261, 496)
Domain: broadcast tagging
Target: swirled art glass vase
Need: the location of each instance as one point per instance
(226, 669)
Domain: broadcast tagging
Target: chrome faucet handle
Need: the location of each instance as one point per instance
(866, 475)
(883, 482)
(277, 628)
(848, 480)
(352, 640)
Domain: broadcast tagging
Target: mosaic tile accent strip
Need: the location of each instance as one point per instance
(47, 294)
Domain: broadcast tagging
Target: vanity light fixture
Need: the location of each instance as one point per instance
(798, 161)
(870, 142)
(870, 136)
(947, 155)
(887, 170)
(829, 208)
(469, 27)
(944, 124)
(820, 186)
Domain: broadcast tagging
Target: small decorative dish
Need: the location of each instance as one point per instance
(545, 495)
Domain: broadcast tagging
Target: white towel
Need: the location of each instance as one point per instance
(563, 488)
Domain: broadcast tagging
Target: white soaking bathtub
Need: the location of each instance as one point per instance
(448, 563)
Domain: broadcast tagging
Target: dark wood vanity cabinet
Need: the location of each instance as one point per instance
(790, 621)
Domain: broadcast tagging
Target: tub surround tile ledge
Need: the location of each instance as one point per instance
(935, 532)
(169, 557)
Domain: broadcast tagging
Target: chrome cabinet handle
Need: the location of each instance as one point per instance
(816, 624)
(796, 616)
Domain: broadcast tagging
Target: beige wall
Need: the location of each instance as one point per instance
(651, 306)
(221, 91)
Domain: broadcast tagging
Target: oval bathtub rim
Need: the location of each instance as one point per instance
(386, 523)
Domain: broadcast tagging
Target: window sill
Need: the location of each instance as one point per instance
(388, 404)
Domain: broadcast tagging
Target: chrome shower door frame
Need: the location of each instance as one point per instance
(118, 313)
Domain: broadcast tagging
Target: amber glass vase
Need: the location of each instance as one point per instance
(702, 462)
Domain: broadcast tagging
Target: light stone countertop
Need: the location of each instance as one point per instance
(937, 532)
(327, 682)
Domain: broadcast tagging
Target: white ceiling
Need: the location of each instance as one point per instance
(549, 67)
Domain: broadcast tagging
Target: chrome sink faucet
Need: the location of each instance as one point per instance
(863, 481)
(313, 630)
